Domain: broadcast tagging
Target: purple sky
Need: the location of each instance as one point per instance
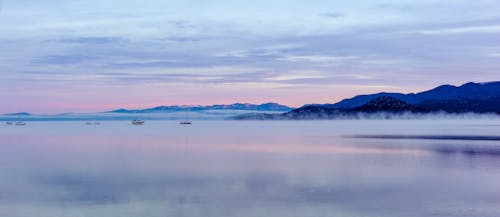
(81, 56)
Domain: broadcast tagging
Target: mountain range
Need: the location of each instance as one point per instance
(468, 98)
(236, 106)
(470, 91)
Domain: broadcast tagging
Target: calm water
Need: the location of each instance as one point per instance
(226, 168)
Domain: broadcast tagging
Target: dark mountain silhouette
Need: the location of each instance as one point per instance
(462, 105)
(387, 104)
(470, 97)
(473, 91)
(312, 112)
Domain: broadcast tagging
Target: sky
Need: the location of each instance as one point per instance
(93, 55)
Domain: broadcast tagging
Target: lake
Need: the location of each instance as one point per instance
(251, 168)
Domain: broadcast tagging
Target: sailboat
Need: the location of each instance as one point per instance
(20, 122)
(187, 117)
(94, 121)
(137, 121)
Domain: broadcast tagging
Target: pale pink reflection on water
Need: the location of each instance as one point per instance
(231, 168)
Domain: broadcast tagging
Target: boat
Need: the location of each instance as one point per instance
(20, 123)
(137, 122)
(186, 121)
(9, 122)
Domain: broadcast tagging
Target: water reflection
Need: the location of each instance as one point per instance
(430, 137)
(470, 150)
(247, 169)
(486, 149)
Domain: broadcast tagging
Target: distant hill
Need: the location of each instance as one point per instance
(235, 106)
(19, 114)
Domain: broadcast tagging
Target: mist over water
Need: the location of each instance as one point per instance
(438, 115)
(251, 168)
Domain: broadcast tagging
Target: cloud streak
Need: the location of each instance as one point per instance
(410, 45)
